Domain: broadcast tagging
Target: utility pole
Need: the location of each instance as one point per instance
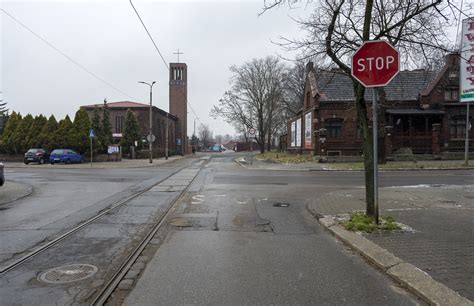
(166, 131)
(150, 133)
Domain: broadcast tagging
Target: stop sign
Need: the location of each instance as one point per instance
(375, 63)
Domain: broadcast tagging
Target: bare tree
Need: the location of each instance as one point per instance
(205, 135)
(337, 28)
(294, 83)
(255, 98)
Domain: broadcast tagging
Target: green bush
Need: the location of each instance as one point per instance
(361, 222)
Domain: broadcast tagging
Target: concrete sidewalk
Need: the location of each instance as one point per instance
(254, 164)
(438, 235)
(124, 163)
(246, 161)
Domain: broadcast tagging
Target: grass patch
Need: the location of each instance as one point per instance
(407, 165)
(361, 222)
(286, 158)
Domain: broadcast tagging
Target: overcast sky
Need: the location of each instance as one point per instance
(107, 38)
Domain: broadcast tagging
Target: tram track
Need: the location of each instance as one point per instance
(107, 291)
(31, 254)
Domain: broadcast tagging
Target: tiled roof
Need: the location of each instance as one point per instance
(121, 104)
(406, 86)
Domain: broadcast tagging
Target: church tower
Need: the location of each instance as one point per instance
(178, 103)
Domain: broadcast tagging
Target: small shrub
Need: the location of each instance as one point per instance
(364, 223)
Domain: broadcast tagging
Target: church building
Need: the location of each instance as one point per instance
(176, 119)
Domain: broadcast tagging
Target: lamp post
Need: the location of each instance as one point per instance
(150, 133)
(167, 132)
(194, 137)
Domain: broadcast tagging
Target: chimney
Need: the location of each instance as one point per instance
(452, 59)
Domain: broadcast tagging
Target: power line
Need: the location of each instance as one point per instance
(64, 54)
(162, 58)
(149, 35)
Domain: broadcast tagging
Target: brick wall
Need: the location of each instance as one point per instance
(178, 102)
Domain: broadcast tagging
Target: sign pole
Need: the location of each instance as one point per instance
(466, 144)
(251, 150)
(375, 142)
(91, 150)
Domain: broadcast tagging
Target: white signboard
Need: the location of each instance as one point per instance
(307, 131)
(113, 149)
(298, 133)
(467, 61)
(293, 133)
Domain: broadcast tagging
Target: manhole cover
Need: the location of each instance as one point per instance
(68, 274)
(281, 205)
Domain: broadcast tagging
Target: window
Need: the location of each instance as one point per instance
(118, 124)
(451, 95)
(458, 127)
(333, 127)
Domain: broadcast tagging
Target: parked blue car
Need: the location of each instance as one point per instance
(65, 156)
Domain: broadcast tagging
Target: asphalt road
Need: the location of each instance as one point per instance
(244, 237)
(239, 249)
(61, 199)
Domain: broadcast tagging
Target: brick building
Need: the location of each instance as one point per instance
(176, 118)
(117, 114)
(421, 112)
(178, 103)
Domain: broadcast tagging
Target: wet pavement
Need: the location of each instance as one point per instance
(243, 237)
(105, 243)
(438, 219)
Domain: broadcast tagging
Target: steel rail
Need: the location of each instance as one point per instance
(108, 289)
(117, 204)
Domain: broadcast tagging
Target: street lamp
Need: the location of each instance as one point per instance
(150, 133)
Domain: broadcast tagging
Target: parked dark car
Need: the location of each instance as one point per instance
(36, 155)
(65, 156)
(2, 175)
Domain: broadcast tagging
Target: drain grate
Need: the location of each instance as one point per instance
(68, 274)
(281, 205)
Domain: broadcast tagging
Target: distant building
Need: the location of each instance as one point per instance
(178, 142)
(421, 113)
(117, 114)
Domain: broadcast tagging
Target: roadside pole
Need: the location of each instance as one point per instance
(374, 65)
(466, 143)
(91, 136)
(251, 150)
(466, 67)
(376, 153)
(166, 137)
(251, 133)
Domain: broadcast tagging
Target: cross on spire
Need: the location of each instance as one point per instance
(178, 53)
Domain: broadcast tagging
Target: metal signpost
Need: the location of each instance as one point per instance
(252, 135)
(91, 136)
(375, 64)
(466, 79)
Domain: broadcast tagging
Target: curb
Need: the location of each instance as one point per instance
(239, 163)
(29, 191)
(414, 279)
(355, 170)
(103, 165)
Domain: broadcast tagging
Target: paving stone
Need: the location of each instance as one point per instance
(126, 284)
(442, 241)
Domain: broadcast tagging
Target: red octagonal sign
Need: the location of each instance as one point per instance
(376, 63)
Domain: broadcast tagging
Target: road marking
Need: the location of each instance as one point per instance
(198, 199)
